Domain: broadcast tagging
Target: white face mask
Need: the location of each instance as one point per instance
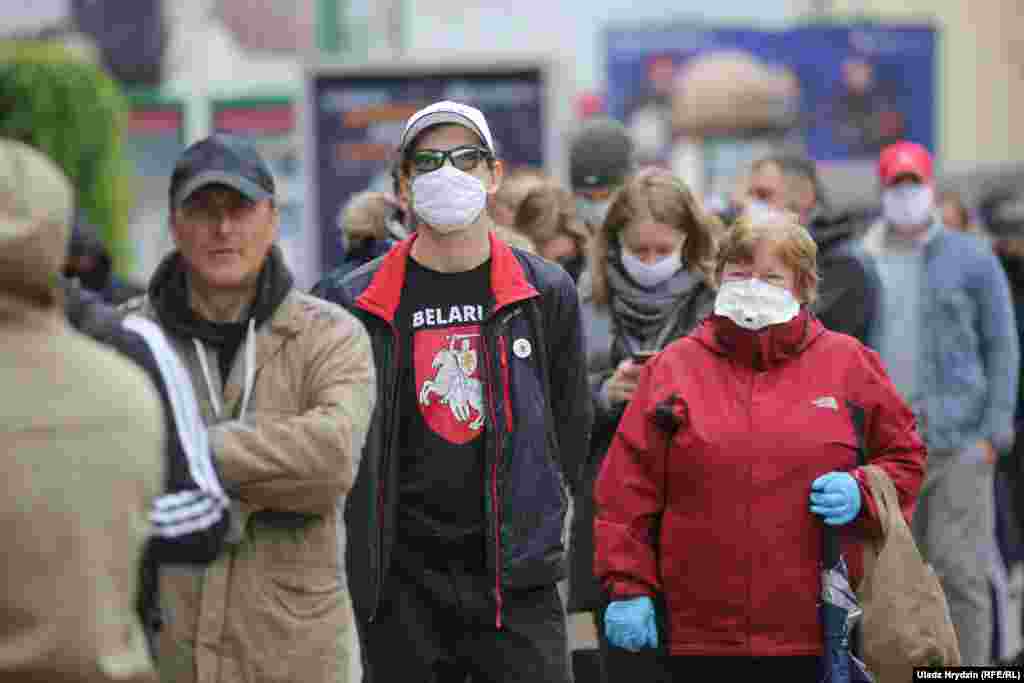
(448, 199)
(758, 210)
(754, 304)
(908, 206)
(652, 275)
(591, 211)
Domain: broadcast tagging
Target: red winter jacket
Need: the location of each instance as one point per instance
(716, 518)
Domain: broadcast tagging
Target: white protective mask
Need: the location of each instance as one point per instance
(592, 211)
(651, 275)
(908, 206)
(448, 200)
(754, 304)
(758, 210)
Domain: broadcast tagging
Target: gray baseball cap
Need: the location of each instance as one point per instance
(221, 159)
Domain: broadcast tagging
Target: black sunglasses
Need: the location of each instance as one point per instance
(464, 158)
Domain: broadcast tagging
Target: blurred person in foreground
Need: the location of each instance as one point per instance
(948, 336)
(649, 283)
(547, 217)
(81, 474)
(286, 387)
(191, 517)
(601, 157)
(849, 297)
(371, 223)
(740, 440)
(457, 518)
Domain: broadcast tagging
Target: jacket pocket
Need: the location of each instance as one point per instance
(306, 594)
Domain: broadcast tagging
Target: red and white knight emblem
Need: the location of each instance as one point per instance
(447, 365)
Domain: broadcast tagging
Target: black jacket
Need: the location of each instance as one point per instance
(539, 419)
(849, 294)
(193, 519)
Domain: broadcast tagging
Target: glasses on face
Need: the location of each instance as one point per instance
(464, 158)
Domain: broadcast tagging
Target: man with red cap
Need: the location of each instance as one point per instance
(947, 335)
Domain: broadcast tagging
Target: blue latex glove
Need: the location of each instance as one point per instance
(836, 497)
(630, 625)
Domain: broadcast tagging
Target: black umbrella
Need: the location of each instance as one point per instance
(839, 613)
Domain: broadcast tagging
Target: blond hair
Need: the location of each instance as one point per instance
(547, 212)
(517, 183)
(792, 242)
(366, 216)
(657, 195)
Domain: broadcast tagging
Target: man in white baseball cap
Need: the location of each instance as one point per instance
(456, 518)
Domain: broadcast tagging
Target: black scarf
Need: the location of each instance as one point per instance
(168, 292)
(643, 317)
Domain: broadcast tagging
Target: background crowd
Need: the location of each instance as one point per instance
(531, 425)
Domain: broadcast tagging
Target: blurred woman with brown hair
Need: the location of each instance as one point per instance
(547, 216)
(648, 283)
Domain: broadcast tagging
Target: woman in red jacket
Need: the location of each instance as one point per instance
(741, 440)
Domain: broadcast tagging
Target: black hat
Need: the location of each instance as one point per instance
(221, 159)
(601, 155)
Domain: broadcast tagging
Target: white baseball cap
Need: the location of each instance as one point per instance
(447, 112)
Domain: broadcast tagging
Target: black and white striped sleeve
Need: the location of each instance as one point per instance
(191, 518)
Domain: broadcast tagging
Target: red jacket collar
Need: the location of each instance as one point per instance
(509, 283)
(760, 349)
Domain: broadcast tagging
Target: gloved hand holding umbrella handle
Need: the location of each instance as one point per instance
(836, 497)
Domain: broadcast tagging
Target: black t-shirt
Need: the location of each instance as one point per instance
(443, 409)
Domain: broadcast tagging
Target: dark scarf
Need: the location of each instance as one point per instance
(644, 317)
(168, 292)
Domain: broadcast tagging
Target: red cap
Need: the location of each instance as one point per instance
(903, 158)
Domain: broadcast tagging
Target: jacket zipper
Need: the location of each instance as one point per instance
(496, 501)
(505, 380)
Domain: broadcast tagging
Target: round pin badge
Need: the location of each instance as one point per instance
(522, 348)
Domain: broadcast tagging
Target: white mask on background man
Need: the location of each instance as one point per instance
(448, 200)
(758, 210)
(592, 211)
(754, 304)
(653, 274)
(908, 205)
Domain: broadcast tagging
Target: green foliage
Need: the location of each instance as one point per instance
(75, 113)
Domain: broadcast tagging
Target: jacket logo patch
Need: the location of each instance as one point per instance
(522, 348)
(826, 402)
(447, 365)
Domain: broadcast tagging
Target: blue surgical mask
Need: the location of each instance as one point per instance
(651, 275)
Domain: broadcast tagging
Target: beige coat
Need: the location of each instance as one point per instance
(274, 607)
(81, 460)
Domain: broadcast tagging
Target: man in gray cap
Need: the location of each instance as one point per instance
(601, 157)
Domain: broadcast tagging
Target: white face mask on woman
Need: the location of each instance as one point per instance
(651, 275)
(908, 205)
(754, 304)
(448, 200)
